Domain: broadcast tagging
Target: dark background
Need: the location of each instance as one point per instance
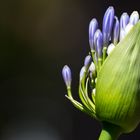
(38, 37)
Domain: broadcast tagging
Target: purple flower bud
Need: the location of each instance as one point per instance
(116, 31)
(128, 28)
(92, 67)
(110, 48)
(124, 20)
(107, 25)
(87, 61)
(134, 17)
(92, 29)
(98, 41)
(82, 72)
(66, 73)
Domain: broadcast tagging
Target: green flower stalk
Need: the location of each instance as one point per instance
(109, 84)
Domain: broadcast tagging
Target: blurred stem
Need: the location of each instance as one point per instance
(109, 132)
(104, 53)
(99, 63)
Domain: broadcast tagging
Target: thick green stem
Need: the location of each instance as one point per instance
(109, 132)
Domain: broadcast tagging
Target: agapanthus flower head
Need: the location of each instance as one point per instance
(117, 89)
(109, 85)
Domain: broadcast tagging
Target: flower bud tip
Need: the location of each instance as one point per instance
(92, 29)
(66, 73)
(87, 61)
(108, 24)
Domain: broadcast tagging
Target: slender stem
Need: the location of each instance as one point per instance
(94, 60)
(104, 53)
(109, 132)
(99, 63)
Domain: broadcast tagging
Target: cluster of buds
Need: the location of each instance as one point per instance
(109, 80)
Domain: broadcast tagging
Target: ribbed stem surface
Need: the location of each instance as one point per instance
(109, 132)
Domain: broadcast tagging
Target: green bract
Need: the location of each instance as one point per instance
(118, 86)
